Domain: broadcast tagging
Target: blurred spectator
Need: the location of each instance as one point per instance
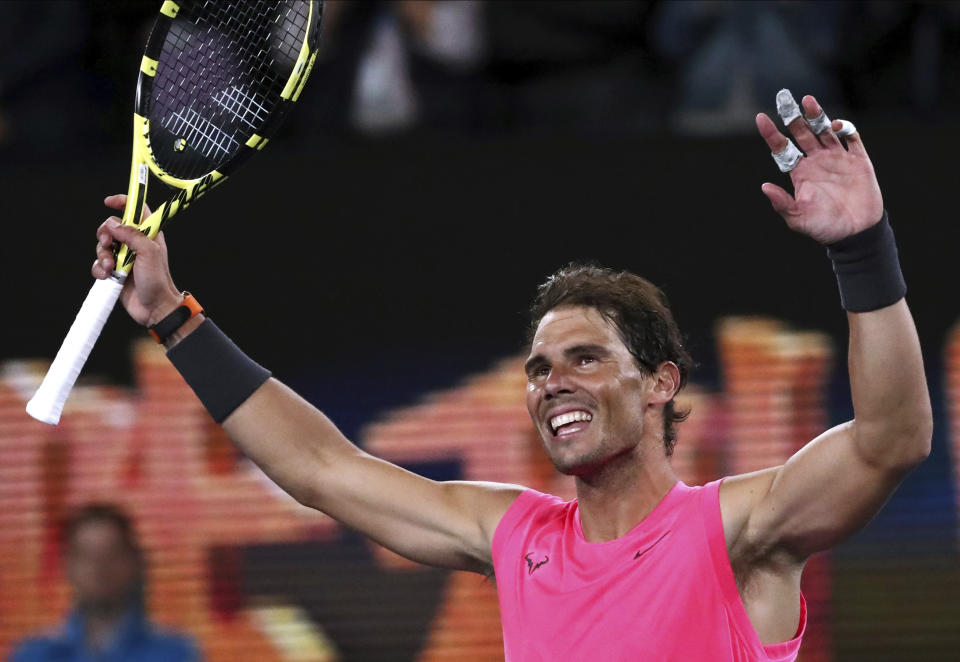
(448, 46)
(622, 66)
(392, 66)
(383, 94)
(732, 57)
(67, 67)
(105, 567)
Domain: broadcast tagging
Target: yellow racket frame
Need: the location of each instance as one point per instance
(142, 159)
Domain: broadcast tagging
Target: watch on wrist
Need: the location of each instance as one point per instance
(187, 309)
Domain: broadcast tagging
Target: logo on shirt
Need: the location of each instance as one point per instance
(649, 547)
(534, 565)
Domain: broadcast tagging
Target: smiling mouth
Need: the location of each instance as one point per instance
(570, 422)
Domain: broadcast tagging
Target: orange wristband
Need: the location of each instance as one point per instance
(188, 308)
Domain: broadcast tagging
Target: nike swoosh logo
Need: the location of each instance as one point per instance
(650, 546)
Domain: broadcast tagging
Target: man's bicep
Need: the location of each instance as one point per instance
(299, 448)
(446, 524)
(822, 495)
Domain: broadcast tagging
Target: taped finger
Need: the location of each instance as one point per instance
(788, 157)
(820, 123)
(787, 107)
(846, 129)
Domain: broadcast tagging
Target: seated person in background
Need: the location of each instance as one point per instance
(105, 568)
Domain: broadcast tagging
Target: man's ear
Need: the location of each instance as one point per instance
(666, 383)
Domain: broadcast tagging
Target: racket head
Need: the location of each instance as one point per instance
(217, 78)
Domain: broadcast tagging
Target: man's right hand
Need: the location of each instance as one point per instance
(149, 294)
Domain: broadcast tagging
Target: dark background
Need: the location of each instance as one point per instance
(418, 247)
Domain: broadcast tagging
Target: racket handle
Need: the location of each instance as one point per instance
(47, 403)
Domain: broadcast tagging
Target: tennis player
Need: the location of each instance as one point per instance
(639, 565)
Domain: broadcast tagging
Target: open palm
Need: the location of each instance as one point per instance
(835, 188)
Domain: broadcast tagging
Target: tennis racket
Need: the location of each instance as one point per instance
(216, 79)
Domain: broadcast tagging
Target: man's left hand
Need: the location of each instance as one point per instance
(835, 189)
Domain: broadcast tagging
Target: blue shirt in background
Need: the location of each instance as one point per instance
(134, 641)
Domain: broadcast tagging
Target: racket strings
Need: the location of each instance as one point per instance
(222, 68)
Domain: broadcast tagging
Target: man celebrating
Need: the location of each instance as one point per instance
(639, 565)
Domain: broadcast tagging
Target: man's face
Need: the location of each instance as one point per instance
(101, 567)
(585, 392)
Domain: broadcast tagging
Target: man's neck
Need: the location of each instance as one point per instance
(100, 625)
(613, 501)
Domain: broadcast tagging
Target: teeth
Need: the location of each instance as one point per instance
(569, 417)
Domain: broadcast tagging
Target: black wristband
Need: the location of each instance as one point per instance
(868, 268)
(218, 371)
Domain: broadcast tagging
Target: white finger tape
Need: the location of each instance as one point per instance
(820, 123)
(846, 129)
(787, 106)
(787, 158)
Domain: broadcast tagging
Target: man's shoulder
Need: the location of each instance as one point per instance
(534, 511)
(741, 494)
(38, 647)
(532, 501)
(172, 645)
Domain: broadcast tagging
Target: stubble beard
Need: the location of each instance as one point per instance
(582, 463)
(597, 459)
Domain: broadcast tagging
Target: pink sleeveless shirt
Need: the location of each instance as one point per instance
(665, 592)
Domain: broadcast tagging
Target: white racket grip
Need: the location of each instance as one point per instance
(47, 403)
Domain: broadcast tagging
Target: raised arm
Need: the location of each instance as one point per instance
(448, 524)
(835, 484)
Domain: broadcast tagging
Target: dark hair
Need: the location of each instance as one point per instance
(101, 512)
(95, 513)
(639, 311)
